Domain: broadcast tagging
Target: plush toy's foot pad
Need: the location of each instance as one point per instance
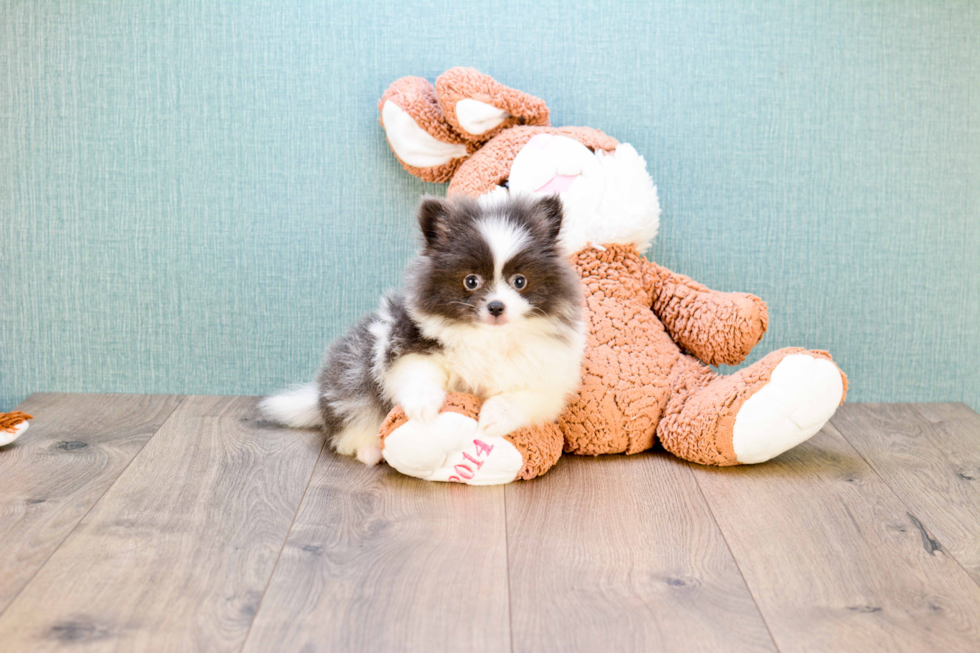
(9, 435)
(451, 448)
(802, 394)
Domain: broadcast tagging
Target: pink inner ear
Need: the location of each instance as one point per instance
(558, 184)
(541, 141)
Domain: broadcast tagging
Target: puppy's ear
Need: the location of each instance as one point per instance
(433, 214)
(549, 210)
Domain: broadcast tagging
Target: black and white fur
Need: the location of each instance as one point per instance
(516, 344)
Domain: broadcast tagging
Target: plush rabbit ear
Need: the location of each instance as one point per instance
(422, 140)
(479, 107)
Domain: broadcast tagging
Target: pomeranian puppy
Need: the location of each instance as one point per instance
(490, 306)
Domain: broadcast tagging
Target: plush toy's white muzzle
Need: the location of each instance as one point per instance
(608, 198)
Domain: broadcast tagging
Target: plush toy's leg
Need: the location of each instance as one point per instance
(12, 426)
(452, 448)
(540, 446)
(755, 414)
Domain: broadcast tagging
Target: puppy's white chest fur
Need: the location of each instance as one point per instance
(489, 360)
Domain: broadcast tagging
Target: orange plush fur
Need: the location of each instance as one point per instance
(652, 333)
(10, 420)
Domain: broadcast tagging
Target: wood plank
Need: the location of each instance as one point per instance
(930, 457)
(622, 554)
(955, 430)
(76, 446)
(835, 560)
(177, 553)
(377, 561)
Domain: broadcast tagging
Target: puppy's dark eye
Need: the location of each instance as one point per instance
(472, 282)
(519, 281)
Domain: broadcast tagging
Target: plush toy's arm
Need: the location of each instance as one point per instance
(716, 327)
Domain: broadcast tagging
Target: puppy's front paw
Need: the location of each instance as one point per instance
(423, 405)
(498, 417)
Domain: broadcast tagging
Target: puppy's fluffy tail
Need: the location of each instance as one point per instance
(298, 407)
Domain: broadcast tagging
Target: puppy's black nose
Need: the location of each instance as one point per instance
(496, 308)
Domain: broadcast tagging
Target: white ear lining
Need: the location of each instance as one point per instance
(478, 117)
(413, 145)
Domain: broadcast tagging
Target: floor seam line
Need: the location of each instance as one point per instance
(510, 598)
(282, 548)
(92, 507)
(930, 436)
(724, 538)
(895, 494)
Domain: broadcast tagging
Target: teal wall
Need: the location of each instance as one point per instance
(196, 197)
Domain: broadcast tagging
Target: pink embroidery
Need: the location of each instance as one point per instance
(483, 446)
(482, 449)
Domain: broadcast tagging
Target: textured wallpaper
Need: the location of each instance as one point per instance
(195, 197)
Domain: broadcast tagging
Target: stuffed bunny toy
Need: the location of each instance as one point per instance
(652, 334)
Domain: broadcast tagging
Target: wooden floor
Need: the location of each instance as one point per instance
(164, 523)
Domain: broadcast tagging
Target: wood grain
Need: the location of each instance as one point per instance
(177, 553)
(622, 554)
(377, 561)
(835, 560)
(51, 477)
(112, 537)
(955, 430)
(929, 456)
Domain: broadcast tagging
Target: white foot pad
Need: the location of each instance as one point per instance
(802, 394)
(6, 437)
(452, 448)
